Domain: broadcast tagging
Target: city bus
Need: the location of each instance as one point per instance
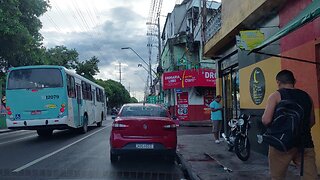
(45, 98)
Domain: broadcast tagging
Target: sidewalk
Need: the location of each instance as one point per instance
(192, 150)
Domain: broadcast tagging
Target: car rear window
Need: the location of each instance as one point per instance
(153, 111)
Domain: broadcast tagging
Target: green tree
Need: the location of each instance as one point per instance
(20, 39)
(116, 93)
(133, 100)
(62, 56)
(88, 68)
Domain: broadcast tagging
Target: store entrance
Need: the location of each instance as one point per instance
(231, 95)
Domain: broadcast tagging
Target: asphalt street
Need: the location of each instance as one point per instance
(70, 155)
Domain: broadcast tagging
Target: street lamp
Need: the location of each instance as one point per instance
(139, 57)
(148, 64)
(136, 54)
(141, 65)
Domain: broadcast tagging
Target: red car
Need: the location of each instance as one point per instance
(143, 128)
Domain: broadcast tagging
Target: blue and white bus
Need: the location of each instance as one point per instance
(45, 98)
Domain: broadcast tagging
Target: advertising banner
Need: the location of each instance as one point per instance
(189, 78)
(182, 106)
(250, 39)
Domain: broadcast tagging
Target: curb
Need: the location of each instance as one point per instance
(196, 124)
(186, 167)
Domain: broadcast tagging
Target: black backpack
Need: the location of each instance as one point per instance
(286, 129)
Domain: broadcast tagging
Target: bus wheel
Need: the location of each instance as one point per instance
(99, 124)
(44, 132)
(84, 128)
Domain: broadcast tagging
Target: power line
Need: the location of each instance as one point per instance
(90, 14)
(53, 23)
(75, 17)
(60, 12)
(80, 14)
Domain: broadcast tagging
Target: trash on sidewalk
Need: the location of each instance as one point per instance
(223, 166)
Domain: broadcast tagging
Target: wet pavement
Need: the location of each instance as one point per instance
(70, 155)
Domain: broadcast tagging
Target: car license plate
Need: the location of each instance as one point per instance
(144, 146)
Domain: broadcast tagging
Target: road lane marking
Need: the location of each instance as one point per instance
(57, 151)
(14, 132)
(17, 139)
(15, 135)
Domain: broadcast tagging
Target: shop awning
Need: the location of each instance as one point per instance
(311, 12)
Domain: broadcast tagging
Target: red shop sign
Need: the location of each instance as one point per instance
(189, 78)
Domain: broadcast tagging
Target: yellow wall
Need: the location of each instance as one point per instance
(231, 18)
(235, 11)
(270, 68)
(236, 15)
(218, 86)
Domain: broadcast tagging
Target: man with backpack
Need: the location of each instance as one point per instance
(295, 145)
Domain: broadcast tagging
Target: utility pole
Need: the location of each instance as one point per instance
(204, 21)
(120, 73)
(160, 61)
(150, 71)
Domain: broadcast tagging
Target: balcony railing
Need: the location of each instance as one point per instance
(213, 25)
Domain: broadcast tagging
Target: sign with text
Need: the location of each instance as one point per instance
(182, 106)
(189, 78)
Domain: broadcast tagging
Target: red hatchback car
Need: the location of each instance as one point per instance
(143, 128)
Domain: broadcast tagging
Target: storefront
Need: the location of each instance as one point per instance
(188, 93)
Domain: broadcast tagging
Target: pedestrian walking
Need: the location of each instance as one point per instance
(302, 151)
(216, 118)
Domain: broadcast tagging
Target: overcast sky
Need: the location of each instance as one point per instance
(100, 28)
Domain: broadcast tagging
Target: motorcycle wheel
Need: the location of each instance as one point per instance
(241, 149)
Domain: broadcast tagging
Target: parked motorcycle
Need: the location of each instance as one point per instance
(238, 137)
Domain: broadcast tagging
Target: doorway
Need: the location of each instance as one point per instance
(231, 95)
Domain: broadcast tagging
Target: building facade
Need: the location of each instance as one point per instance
(182, 61)
(246, 78)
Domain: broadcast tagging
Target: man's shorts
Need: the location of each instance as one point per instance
(216, 125)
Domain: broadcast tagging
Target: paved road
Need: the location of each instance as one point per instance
(69, 155)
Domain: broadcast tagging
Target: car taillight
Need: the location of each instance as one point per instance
(170, 126)
(119, 125)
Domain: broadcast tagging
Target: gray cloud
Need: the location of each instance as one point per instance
(122, 28)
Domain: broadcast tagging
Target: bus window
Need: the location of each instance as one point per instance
(35, 78)
(86, 91)
(71, 86)
(99, 95)
(89, 92)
